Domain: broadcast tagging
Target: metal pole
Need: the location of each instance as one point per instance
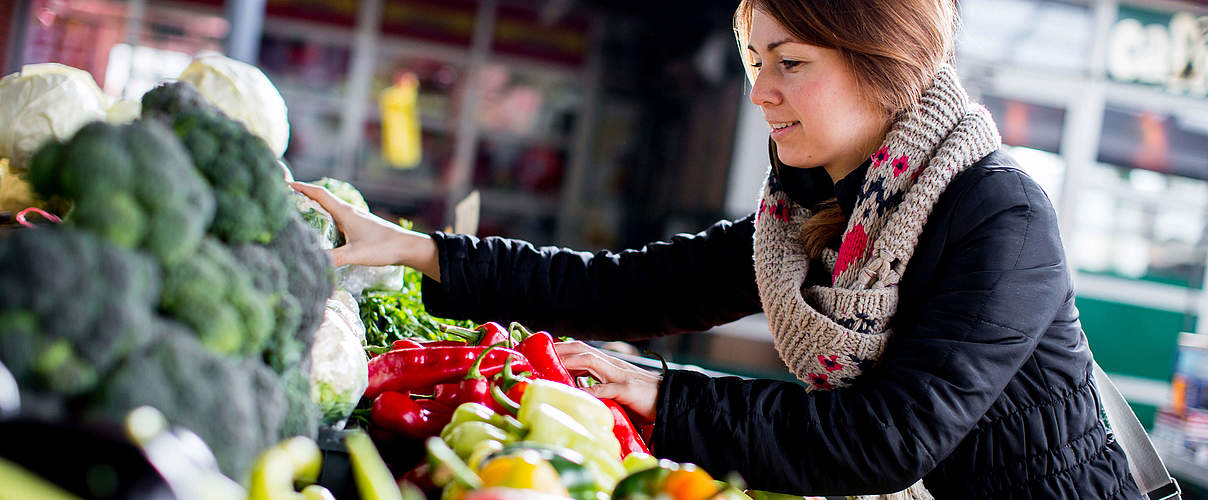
(356, 95)
(570, 217)
(467, 128)
(18, 37)
(1080, 136)
(246, 20)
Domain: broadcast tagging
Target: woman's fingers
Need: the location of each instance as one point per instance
(581, 358)
(622, 382)
(332, 204)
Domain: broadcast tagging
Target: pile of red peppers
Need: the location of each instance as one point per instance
(416, 385)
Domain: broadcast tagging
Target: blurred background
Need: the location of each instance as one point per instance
(600, 124)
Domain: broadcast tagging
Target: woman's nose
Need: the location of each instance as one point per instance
(763, 92)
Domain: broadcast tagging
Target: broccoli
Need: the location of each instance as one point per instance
(71, 307)
(252, 199)
(133, 185)
(212, 293)
(303, 416)
(221, 399)
(311, 281)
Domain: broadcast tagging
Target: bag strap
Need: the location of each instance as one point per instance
(1143, 460)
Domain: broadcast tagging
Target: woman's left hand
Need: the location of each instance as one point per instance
(629, 385)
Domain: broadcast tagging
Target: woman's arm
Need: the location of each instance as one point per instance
(370, 240)
(690, 283)
(997, 290)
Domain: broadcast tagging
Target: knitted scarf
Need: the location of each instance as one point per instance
(827, 335)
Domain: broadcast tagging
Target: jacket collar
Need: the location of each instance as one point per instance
(847, 190)
(811, 186)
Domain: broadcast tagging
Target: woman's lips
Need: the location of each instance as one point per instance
(778, 133)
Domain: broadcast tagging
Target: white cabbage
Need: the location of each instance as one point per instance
(242, 92)
(42, 102)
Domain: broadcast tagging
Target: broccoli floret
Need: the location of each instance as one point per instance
(71, 307)
(209, 394)
(310, 283)
(133, 185)
(212, 293)
(303, 416)
(252, 198)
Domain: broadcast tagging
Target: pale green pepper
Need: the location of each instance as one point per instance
(465, 436)
(581, 406)
(294, 461)
(551, 426)
(373, 478)
(477, 412)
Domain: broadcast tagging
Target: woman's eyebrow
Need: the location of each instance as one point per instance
(771, 46)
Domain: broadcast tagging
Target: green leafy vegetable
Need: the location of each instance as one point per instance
(393, 315)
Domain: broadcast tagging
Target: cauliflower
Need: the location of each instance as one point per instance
(339, 370)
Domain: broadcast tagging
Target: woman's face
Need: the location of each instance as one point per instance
(810, 100)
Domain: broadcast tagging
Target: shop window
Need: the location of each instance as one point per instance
(1140, 224)
(1054, 35)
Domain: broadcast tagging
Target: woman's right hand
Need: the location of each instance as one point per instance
(372, 241)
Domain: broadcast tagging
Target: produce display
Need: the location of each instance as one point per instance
(181, 278)
(187, 298)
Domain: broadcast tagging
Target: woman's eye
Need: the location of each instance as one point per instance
(756, 65)
(788, 64)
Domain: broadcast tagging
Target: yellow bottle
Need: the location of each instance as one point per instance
(401, 142)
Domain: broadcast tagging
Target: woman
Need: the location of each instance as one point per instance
(913, 280)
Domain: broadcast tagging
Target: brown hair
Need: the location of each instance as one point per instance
(894, 47)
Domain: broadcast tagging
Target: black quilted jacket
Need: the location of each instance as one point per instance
(984, 391)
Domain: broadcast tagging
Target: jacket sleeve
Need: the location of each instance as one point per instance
(996, 291)
(690, 283)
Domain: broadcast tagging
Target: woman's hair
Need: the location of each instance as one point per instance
(893, 47)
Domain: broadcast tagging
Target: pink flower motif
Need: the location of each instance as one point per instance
(763, 207)
(900, 165)
(830, 363)
(782, 211)
(820, 381)
(880, 156)
(852, 248)
(917, 173)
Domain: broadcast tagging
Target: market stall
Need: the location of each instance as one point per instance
(167, 305)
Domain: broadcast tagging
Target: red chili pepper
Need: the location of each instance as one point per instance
(405, 344)
(397, 412)
(492, 333)
(538, 348)
(624, 430)
(444, 343)
(511, 384)
(421, 369)
(474, 387)
(448, 394)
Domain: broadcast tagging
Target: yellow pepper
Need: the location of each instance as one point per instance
(689, 483)
(525, 470)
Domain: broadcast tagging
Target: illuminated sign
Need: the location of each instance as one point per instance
(1160, 49)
